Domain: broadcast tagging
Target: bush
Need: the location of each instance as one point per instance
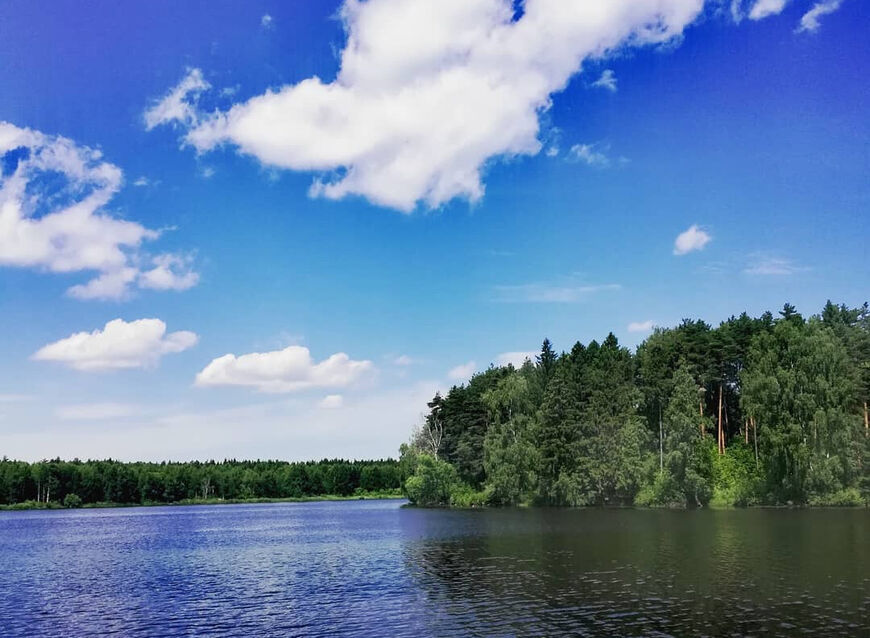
(72, 501)
(736, 481)
(432, 483)
(662, 491)
(464, 495)
(850, 497)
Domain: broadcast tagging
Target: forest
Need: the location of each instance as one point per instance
(771, 410)
(75, 483)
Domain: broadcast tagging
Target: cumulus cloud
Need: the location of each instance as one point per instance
(403, 360)
(462, 372)
(640, 326)
(426, 94)
(606, 81)
(179, 105)
(119, 345)
(764, 8)
(810, 20)
(516, 359)
(267, 22)
(289, 370)
(691, 240)
(331, 402)
(548, 293)
(53, 195)
(169, 272)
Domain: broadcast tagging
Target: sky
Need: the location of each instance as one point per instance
(276, 229)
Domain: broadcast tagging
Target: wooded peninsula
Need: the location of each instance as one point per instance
(770, 410)
(758, 411)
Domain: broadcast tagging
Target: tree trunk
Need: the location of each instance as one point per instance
(661, 442)
(746, 431)
(721, 433)
(701, 414)
(755, 438)
(866, 420)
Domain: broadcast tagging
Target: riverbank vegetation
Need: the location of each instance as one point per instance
(56, 483)
(757, 411)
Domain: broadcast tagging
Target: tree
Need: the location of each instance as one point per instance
(798, 386)
(432, 482)
(510, 456)
(686, 460)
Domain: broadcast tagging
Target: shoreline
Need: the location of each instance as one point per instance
(34, 505)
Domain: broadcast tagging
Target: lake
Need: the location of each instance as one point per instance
(374, 568)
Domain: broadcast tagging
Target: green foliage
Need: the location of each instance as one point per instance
(137, 483)
(849, 497)
(72, 500)
(432, 483)
(736, 480)
(510, 456)
(599, 425)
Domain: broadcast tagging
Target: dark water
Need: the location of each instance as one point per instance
(375, 569)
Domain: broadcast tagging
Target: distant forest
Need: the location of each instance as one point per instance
(766, 410)
(75, 483)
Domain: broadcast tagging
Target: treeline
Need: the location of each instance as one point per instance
(766, 410)
(73, 483)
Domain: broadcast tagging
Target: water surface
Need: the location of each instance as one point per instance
(373, 568)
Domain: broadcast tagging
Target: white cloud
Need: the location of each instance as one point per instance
(606, 81)
(289, 370)
(96, 411)
(61, 225)
(179, 105)
(427, 93)
(403, 360)
(462, 372)
(516, 359)
(169, 272)
(764, 8)
(548, 293)
(641, 326)
(766, 265)
(207, 172)
(691, 240)
(141, 181)
(267, 22)
(810, 20)
(331, 402)
(120, 344)
(588, 154)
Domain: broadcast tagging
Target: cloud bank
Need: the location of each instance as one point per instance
(53, 195)
(119, 345)
(427, 93)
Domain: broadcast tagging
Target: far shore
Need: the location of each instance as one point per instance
(374, 496)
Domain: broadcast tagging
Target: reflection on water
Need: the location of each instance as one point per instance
(628, 572)
(375, 569)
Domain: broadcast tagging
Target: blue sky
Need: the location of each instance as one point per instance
(477, 194)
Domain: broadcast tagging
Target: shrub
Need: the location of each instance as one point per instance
(432, 482)
(72, 501)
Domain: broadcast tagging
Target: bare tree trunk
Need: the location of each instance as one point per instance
(721, 433)
(746, 431)
(701, 414)
(755, 438)
(866, 420)
(661, 442)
